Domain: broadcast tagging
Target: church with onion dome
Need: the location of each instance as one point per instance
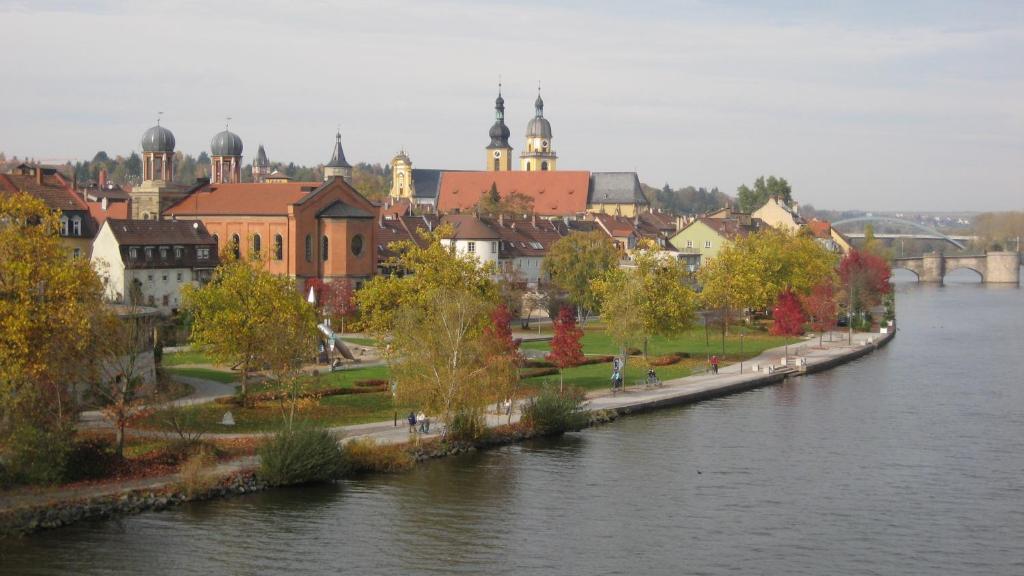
(554, 192)
(158, 191)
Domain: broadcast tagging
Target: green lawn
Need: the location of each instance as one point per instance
(205, 373)
(267, 417)
(186, 357)
(341, 379)
(597, 341)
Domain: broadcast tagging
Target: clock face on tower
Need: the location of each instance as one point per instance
(497, 153)
(544, 143)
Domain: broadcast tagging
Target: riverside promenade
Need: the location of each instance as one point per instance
(635, 399)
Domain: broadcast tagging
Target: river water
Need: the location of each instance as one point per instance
(908, 461)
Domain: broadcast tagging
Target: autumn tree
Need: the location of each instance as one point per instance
(822, 307)
(295, 338)
(787, 317)
(503, 355)
(237, 318)
(47, 303)
(338, 302)
(575, 261)
(566, 345)
(126, 348)
(419, 272)
(651, 298)
(441, 357)
(865, 280)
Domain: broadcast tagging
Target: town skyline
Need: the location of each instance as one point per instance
(904, 113)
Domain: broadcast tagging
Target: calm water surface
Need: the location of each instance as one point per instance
(909, 461)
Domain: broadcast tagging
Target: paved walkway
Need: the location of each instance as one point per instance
(676, 391)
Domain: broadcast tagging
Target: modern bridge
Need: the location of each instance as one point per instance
(924, 232)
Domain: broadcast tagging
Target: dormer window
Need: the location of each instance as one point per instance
(179, 251)
(133, 253)
(163, 252)
(149, 252)
(76, 226)
(63, 225)
(202, 253)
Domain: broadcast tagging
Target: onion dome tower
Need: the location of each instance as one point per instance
(157, 192)
(226, 158)
(260, 166)
(539, 154)
(158, 154)
(499, 152)
(338, 167)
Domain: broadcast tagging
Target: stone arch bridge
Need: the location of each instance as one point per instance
(994, 267)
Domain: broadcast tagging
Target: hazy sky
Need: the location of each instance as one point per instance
(871, 104)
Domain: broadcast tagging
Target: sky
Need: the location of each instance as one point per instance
(860, 104)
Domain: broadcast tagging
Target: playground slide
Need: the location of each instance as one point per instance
(336, 341)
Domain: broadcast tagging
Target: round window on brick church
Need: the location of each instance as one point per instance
(357, 244)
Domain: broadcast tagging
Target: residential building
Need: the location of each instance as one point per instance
(828, 236)
(146, 262)
(474, 237)
(702, 239)
(77, 228)
(777, 214)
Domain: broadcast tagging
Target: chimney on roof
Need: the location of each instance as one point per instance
(103, 178)
(39, 174)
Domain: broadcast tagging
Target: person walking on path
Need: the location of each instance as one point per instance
(714, 364)
(422, 419)
(412, 422)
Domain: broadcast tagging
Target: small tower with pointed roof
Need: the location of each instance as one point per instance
(539, 154)
(260, 166)
(499, 152)
(338, 167)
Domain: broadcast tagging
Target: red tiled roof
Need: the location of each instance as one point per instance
(730, 227)
(115, 210)
(558, 193)
(470, 227)
(616, 226)
(54, 191)
(820, 228)
(247, 198)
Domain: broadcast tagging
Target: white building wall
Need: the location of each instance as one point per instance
(106, 260)
(483, 250)
(156, 283)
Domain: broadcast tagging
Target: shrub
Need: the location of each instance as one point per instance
(668, 359)
(194, 479)
(533, 372)
(300, 456)
(466, 426)
(537, 363)
(554, 412)
(366, 455)
(91, 458)
(38, 456)
(597, 360)
(631, 351)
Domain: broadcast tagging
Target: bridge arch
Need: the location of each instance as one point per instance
(917, 275)
(900, 221)
(952, 267)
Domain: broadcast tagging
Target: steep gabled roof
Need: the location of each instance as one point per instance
(340, 209)
(470, 227)
(54, 191)
(615, 188)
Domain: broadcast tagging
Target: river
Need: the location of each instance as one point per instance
(908, 461)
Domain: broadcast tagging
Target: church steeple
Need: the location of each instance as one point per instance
(539, 153)
(499, 152)
(338, 166)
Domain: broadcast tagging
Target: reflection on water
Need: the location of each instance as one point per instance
(907, 461)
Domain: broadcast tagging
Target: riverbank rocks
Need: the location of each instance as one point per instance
(19, 521)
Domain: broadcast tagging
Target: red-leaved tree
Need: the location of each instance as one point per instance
(788, 315)
(338, 301)
(865, 279)
(566, 348)
(821, 305)
(503, 356)
(500, 330)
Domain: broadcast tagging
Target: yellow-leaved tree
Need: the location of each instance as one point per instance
(651, 297)
(250, 318)
(47, 304)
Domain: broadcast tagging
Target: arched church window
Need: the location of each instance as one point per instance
(309, 248)
(544, 165)
(357, 244)
(256, 245)
(278, 247)
(323, 248)
(234, 246)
